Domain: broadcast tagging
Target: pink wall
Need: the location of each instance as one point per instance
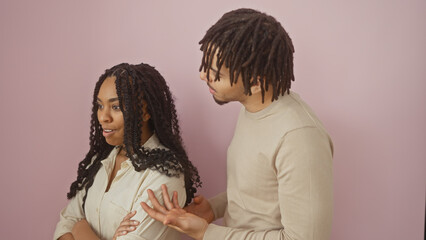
(360, 64)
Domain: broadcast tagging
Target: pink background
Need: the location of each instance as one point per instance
(360, 65)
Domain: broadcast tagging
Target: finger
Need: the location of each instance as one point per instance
(157, 206)
(129, 223)
(175, 200)
(130, 215)
(166, 197)
(197, 199)
(126, 229)
(130, 229)
(152, 212)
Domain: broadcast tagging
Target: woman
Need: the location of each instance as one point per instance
(135, 144)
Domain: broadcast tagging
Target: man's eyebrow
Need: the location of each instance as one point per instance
(215, 71)
(109, 100)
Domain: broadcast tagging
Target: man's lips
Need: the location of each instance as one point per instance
(212, 91)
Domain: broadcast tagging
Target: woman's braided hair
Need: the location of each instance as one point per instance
(135, 84)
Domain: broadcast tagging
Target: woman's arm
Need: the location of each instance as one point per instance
(66, 236)
(70, 215)
(83, 231)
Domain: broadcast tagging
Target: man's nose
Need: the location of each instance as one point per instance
(203, 76)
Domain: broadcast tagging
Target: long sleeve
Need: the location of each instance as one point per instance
(218, 204)
(71, 214)
(303, 167)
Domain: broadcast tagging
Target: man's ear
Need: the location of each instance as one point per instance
(256, 85)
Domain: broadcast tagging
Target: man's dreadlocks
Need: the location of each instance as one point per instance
(251, 44)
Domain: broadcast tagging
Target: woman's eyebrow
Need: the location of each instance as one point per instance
(109, 100)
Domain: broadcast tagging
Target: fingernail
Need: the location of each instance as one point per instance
(132, 228)
(136, 222)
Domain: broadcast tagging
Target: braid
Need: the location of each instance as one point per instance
(252, 45)
(134, 85)
(99, 150)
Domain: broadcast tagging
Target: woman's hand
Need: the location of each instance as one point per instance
(126, 225)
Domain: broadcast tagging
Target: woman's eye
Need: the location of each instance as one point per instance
(100, 106)
(115, 107)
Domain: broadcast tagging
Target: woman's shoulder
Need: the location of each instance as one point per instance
(154, 143)
(170, 177)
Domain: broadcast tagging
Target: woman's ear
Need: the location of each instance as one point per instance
(145, 115)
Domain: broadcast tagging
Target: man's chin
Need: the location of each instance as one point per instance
(220, 102)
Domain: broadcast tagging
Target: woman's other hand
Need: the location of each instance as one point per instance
(127, 225)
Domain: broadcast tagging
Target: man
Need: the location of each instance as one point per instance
(279, 163)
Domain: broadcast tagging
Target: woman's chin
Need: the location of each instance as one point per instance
(114, 143)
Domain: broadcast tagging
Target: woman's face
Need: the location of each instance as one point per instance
(109, 113)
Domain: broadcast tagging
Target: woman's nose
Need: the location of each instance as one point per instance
(105, 116)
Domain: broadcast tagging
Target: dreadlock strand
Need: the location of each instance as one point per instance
(251, 44)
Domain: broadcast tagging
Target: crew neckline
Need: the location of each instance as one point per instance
(264, 112)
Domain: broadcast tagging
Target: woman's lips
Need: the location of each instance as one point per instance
(107, 132)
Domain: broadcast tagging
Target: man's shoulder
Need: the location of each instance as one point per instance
(294, 113)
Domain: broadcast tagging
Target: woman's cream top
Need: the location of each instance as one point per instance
(105, 210)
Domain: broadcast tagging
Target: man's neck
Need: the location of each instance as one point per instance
(254, 103)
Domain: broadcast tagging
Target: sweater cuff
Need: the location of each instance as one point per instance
(219, 204)
(214, 232)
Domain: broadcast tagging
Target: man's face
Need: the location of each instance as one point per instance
(222, 90)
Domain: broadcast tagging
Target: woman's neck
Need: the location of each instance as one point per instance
(146, 134)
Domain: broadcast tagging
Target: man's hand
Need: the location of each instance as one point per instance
(126, 225)
(172, 215)
(201, 207)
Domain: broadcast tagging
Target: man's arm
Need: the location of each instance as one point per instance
(303, 167)
(304, 174)
(218, 204)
